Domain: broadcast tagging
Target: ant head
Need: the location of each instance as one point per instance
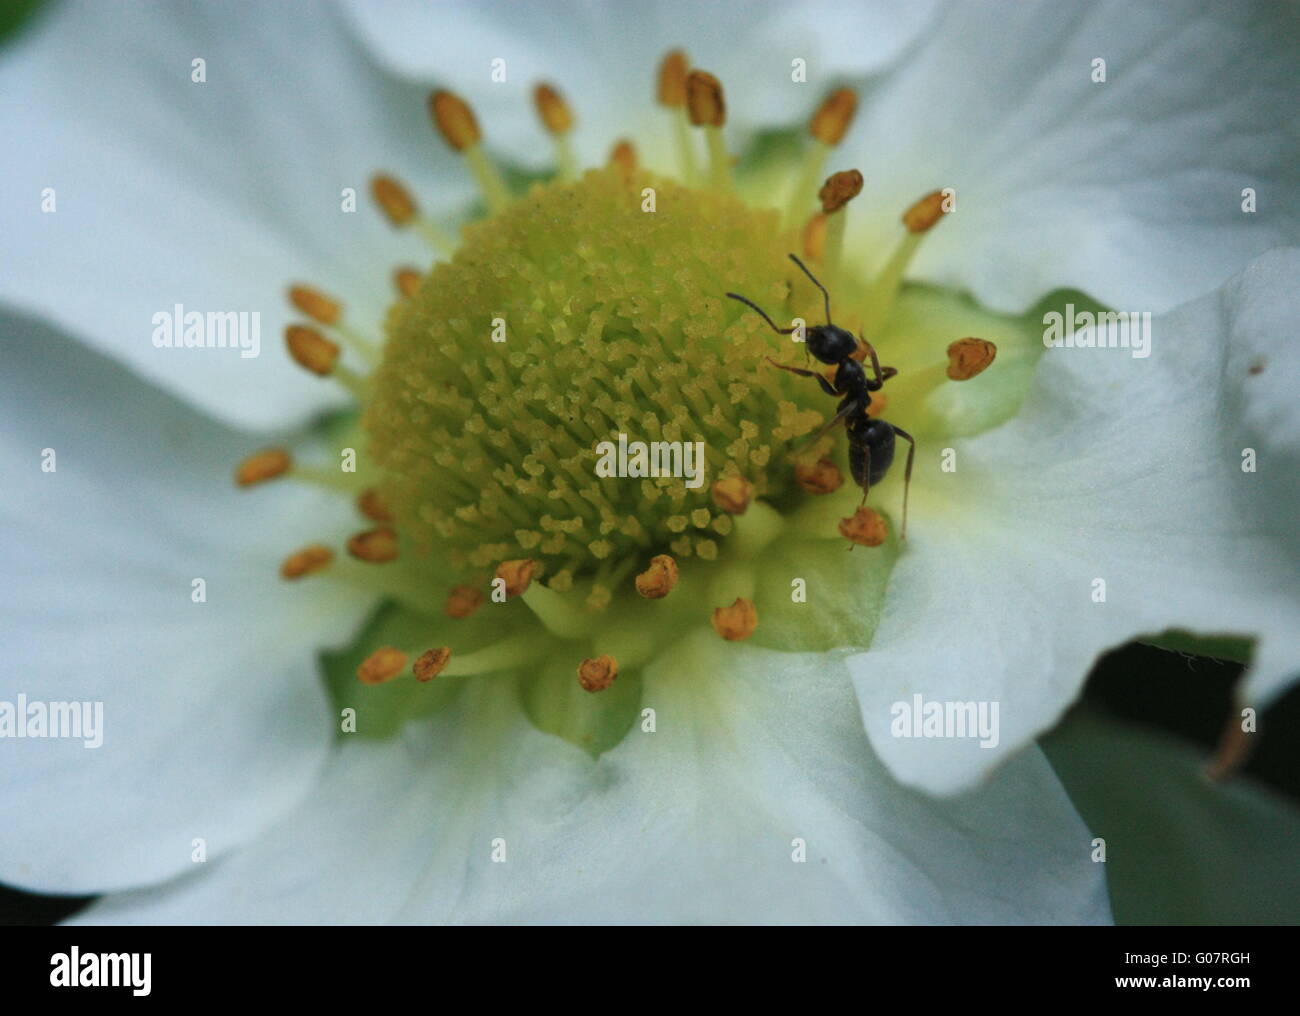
(831, 344)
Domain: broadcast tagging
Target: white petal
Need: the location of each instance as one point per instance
(1117, 469)
(604, 57)
(1130, 190)
(212, 195)
(214, 722)
(698, 821)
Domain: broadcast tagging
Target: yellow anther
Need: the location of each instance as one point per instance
(310, 349)
(407, 281)
(311, 558)
(454, 119)
(864, 527)
(883, 292)
(820, 477)
(737, 622)
(518, 575)
(922, 216)
(382, 665)
(374, 546)
(672, 78)
(431, 663)
(814, 237)
(393, 199)
(839, 189)
(263, 466)
(372, 506)
(597, 674)
(658, 580)
(704, 100)
(462, 602)
(968, 357)
(834, 116)
(623, 155)
(551, 107)
(732, 494)
(315, 304)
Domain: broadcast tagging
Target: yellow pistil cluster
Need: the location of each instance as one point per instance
(573, 317)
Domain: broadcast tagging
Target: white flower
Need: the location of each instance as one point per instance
(1114, 468)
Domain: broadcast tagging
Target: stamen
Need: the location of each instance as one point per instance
(394, 199)
(820, 477)
(518, 575)
(462, 602)
(732, 494)
(372, 506)
(327, 311)
(834, 117)
(814, 237)
(374, 546)
(507, 654)
(1232, 751)
(919, 219)
(838, 190)
(708, 109)
(399, 207)
(382, 665)
(597, 674)
(315, 304)
(623, 155)
(559, 612)
(966, 358)
(455, 121)
(865, 527)
(311, 350)
(737, 622)
(311, 558)
(672, 93)
(969, 357)
(558, 120)
(828, 126)
(407, 281)
(923, 215)
(263, 466)
(431, 663)
(658, 580)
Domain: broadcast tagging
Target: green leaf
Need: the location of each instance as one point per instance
(1179, 849)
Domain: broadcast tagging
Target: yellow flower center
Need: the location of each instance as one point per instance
(584, 312)
(573, 447)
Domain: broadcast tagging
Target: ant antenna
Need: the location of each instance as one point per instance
(752, 304)
(817, 284)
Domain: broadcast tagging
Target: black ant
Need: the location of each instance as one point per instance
(871, 441)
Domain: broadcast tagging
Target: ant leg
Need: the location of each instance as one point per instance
(839, 418)
(827, 387)
(825, 295)
(907, 473)
(751, 304)
(881, 378)
(866, 480)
